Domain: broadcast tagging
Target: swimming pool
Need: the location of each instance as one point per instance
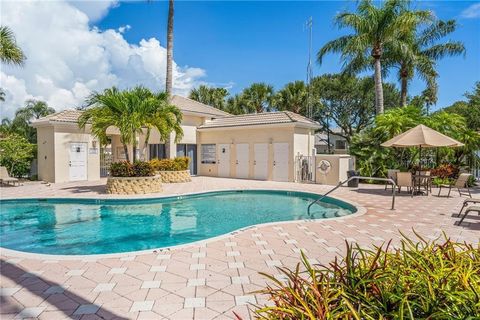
(89, 226)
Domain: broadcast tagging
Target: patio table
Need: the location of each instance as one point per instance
(422, 180)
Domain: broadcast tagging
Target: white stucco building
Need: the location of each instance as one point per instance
(256, 146)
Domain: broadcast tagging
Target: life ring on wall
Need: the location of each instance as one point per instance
(324, 166)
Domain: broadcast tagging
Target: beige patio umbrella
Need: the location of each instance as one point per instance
(423, 137)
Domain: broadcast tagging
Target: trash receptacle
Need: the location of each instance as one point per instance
(354, 182)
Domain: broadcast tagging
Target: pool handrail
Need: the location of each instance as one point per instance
(341, 183)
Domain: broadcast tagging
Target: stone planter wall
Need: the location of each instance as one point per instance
(134, 185)
(175, 176)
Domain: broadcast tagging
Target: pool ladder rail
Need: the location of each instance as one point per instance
(341, 183)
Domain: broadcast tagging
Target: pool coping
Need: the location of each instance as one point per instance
(361, 210)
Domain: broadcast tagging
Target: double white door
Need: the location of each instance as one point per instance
(78, 161)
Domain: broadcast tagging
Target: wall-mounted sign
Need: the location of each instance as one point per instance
(93, 151)
(324, 166)
(208, 153)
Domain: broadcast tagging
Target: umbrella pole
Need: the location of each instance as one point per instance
(420, 160)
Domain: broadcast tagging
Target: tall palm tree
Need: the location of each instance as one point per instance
(10, 52)
(293, 97)
(169, 77)
(214, 97)
(258, 97)
(425, 52)
(131, 111)
(374, 28)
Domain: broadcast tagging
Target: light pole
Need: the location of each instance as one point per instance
(327, 114)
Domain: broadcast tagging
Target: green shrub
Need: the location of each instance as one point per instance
(177, 164)
(442, 181)
(128, 169)
(471, 181)
(16, 154)
(417, 280)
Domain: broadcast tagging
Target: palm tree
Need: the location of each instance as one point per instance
(131, 111)
(374, 29)
(159, 114)
(293, 97)
(33, 109)
(214, 97)
(236, 105)
(258, 97)
(424, 55)
(10, 52)
(169, 77)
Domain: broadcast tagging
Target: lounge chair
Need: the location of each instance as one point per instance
(460, 183)
(404, 179)
(391, 174)
(5, 177)
(474, 208)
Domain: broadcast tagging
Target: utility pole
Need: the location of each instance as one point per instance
(309, 27)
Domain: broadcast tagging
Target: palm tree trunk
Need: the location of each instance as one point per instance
(125, 149)
(378, 87)
(403, 92)
(145, 144)
(404, 85)
(169, 77)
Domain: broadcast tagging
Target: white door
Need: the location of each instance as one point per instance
(242, 160)
(78, 161)
(260, 162)
(223, 160)
(280, 162)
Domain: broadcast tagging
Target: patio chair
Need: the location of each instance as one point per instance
(404, 179)
(474, 208)
(460, 183)
(5, 177)
(391, 174)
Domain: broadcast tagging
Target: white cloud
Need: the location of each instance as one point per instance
(471, 12)
(94, 9)
(67, 59)
(124, 28)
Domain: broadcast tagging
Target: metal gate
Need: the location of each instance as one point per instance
(305, 169)
(105, 161)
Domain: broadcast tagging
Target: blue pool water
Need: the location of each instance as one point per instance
(88, 226)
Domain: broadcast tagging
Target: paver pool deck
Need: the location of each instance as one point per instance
(215, 278)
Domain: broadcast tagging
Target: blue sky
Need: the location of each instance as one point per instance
(74, 47)
(238, 43)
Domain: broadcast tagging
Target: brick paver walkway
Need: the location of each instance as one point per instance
(213, 279)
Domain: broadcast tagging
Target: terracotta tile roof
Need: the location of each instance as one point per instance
(259, 119)
(184, 104)
(68, 115)
(189, 105)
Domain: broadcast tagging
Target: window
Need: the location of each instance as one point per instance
(157, 151)
(208, 153)
(189, 150)
(341, 144)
